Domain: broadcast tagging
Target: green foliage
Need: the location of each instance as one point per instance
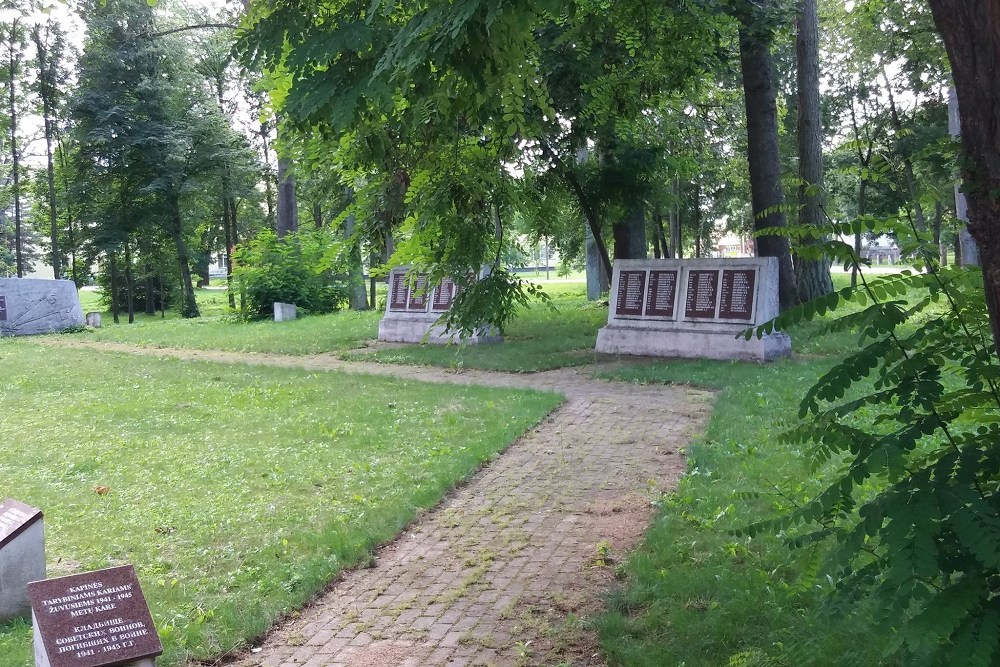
(911, 424)
(301, 268)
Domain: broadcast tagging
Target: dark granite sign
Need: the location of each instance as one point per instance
(418, 294)
(736, 302)
(94, 619)
(444, 295)
(15, 518)
(662, 294)
(631, 290)
(701, 294)
(397, 292)
(3, 308)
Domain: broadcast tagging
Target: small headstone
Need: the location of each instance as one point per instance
(22, 556)
(29, 306)
(94, 320)
(284, 312)
(94, 619)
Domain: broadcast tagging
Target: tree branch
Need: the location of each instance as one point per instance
(199, 26)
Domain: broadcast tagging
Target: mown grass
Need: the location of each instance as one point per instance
(236, 491)
(559, 333)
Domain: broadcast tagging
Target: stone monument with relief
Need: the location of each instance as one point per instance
(29, 306)
(693, 308)
(93, 619)
(414, 307)
(22, 556)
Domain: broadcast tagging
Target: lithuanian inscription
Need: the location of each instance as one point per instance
(15, 518)
(94, 619)
(701, 294)
(397, 292)
(736, 302)
(662, 294)
(631, 290)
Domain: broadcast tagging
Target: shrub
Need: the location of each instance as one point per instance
(303, 268)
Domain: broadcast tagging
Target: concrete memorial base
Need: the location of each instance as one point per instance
(693, 308)
(22, 557)
(29, 306)
(413, 309)
(285, 312)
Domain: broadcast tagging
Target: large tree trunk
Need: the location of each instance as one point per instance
(288, 214)
(630, 235)
(189, 306)
(765, 164)
(812, 275)
(971, 32)
(357, 294)
(15, 159)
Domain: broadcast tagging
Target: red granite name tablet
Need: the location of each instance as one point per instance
(15, 518)
(94, 619)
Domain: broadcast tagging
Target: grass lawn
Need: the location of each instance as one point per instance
(541, 337)
(236, 491)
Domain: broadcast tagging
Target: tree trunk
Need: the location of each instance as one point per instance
(971, 32)
(268, 184)
(630, 235)
(150, 288)
(357, 295)
(129, 283)
(113, 267)
(812, 275)
(15, 158)
(189, 306)
(288, 214)
(764, 159)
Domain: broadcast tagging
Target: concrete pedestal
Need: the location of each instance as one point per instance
(413, 328)
(693, 343)
(22, 560)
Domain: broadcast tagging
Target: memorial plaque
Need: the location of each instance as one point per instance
(631, 290)
(444, 295)
(15, 518)
(662, 294)
(397, 296)
(94, 619)
(418, 294)
(3, 308)
(702, 287)
(736, 302)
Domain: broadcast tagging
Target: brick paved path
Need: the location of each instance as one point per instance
(501, 572)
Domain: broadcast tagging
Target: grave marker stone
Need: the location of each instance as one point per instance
(22, 556)
(93, 619)
(414, 307)
(29, 306)
(285, 312)
(94, 320)
(721, 298)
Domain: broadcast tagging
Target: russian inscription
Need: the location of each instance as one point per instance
(418, 294)
(444, 295)
(631, 290)
(397, 295)
(662, 294)
(15, 518)
(702, 287)
(736, 302)
(94, 619)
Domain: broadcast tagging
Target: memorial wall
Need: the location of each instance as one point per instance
(693, 308)
(414, 306)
